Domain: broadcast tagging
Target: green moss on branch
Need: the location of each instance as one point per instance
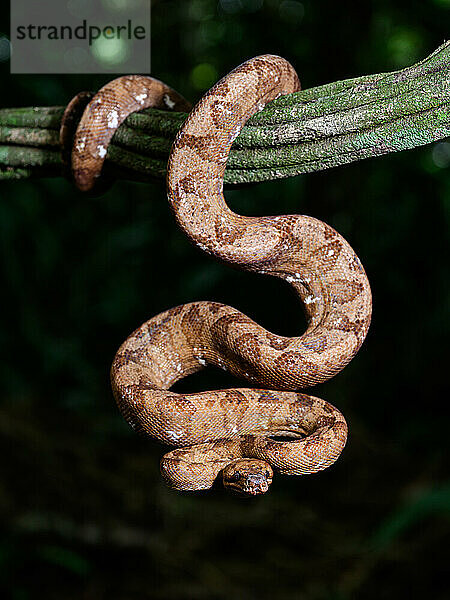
(311, 130)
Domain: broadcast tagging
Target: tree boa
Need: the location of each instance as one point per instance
(241, 433)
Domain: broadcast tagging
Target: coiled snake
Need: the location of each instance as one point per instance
(235, 432)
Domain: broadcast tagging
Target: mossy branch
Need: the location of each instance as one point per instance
(311, 130)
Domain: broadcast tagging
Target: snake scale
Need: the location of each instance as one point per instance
(243, 433)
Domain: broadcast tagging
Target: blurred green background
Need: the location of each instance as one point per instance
(84, 512)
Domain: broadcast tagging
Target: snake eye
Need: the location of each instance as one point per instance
(234, 476)
(267, 473)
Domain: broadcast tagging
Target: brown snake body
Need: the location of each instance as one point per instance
(236, 431)
(110, 106)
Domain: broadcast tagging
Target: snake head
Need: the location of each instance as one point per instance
(247, 477)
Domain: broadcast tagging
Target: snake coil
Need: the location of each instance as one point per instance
(235, 432)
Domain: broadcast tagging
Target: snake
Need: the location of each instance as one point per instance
(240, 435)
(90, 121)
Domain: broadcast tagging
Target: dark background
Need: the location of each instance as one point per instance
(84, 512)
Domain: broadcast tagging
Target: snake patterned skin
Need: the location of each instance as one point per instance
(109, 107)
(241, 433)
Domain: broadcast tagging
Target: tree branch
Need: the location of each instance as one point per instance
(311, 130)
